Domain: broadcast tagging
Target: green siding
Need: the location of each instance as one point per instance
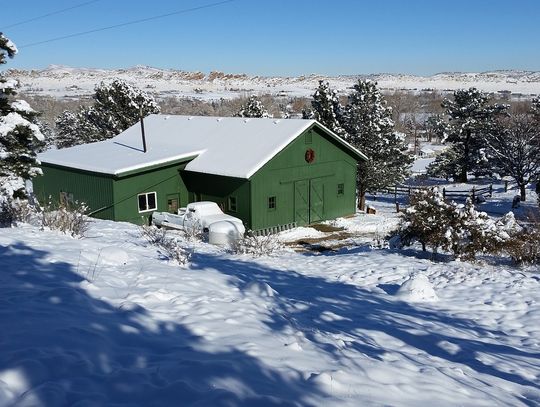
(305, 192)
(165, 181)
(216, 188)
(96, 190)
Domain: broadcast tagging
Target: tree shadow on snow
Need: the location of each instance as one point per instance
(305, 303)
(60, 346)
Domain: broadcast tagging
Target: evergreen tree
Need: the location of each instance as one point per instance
(369, 127)
(253, 108)
(535, 108)
(117, 106)
(446, 165)
(326, 108)
(75, 128)
(20, 136)
(470, 119)
(435, 126)
(515, 148)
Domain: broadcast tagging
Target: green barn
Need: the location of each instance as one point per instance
(267, 172)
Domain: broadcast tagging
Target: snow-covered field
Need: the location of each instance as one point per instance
(61, 81)
(106, 320)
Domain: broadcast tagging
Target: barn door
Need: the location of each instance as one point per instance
(316, 199)
(301, 202)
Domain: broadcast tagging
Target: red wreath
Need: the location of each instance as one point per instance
(310, 155)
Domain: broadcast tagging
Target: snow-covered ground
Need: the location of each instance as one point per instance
(61, 81)
(106, 320)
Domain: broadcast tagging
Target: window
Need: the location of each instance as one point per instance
(147, 202)
(271, 203)
(232, 204)
(308, 138)
(340, 189)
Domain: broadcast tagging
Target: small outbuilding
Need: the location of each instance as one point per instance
(267, 172)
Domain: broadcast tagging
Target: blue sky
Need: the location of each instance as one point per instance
(282, 37)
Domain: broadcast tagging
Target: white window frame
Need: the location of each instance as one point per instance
(145, 194)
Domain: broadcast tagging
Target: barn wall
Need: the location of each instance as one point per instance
(290, 178)
(165, 181)
(94, 189)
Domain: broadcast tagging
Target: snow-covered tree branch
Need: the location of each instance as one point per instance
(20, 135)
(117, 106)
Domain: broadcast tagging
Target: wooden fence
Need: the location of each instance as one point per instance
(472, 193)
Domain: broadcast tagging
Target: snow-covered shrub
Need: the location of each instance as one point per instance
(69, 218)
(169, 246)
(6, 214)
(458, 229)
(379, 242)
(193, 232)
(153, 235)
(524, 247)
(257, 246)
(482, 234)
(174, 251)
(14, 211)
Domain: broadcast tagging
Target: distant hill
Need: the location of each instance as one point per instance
(67, 82)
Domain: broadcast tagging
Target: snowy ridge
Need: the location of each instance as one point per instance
(62, 81)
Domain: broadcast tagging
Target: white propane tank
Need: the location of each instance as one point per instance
(224, 233)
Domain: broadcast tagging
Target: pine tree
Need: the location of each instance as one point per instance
(327, 109)
(535, 108)
(446, 165)
(253, 108)
(117, 106)
(75, 128)
(515, 147)
(470, 118)
(369, 127)
(435, 126)
(20, 136)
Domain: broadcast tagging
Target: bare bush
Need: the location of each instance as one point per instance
(193, 232)
(68, 218)
(153, 235)
(257, 246)
(169, 246)
(175, 252)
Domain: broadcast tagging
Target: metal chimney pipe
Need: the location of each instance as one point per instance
(142, 130)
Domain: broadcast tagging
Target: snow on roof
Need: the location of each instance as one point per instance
(231, 146)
